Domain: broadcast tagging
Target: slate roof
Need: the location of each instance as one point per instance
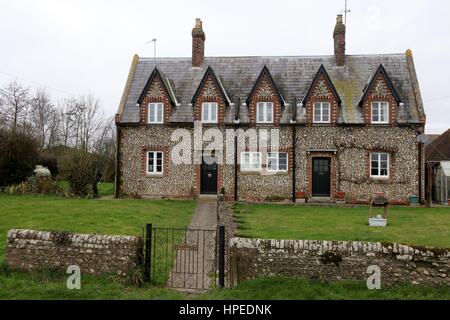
(292, 76)
(439, 148)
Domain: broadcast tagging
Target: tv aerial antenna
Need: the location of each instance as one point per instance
(154, 46)
(346, 10)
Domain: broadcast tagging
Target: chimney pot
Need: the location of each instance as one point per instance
(339, 41)
(198, 44)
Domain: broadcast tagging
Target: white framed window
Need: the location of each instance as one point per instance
(277, 161)
(155, 113)
(380, 112)
(155, 163)
(379, 165)
(264, 112)
(209, 112)
(250, 161)
(321, 112)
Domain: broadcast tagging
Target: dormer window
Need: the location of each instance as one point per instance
(209, 112)
(380, 112)
(264, 111)
(321, 112)
(155, 113)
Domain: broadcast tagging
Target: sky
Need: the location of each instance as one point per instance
(75, 47)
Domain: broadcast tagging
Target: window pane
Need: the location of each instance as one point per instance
(375, 111)
(151, 111)
(383, 157)
(213, 111)
(272, 164)
(159, 112)
(205, 112)
(374, 172)
(260, 109)
(382, 112)
(269, 112)
(282, 161)
(375, 165)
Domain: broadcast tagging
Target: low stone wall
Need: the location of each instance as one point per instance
(331, 261)
(95, 254)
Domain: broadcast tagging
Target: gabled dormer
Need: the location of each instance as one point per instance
(157, 99)
(265, 101)
(321, 101)
(380, 100)
(210, 99)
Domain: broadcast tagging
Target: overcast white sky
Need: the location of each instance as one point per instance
(74, 47)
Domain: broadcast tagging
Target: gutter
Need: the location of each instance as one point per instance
(294, 166)
(117, 171)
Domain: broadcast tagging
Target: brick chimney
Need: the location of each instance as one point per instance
(198, 44)
(339, 41)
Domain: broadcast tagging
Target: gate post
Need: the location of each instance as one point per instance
(148, 251)
(221, 256)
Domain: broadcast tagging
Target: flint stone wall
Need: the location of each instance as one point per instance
(94, 254)
(348, 146)
(332, 260)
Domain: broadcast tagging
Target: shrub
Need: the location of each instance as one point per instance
(79, 167)
(18, 156)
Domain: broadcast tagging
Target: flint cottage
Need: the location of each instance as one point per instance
(348, 125)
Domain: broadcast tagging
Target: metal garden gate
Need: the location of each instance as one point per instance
(185, 258)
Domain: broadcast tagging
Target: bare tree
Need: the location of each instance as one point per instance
(105, 147)
(54, 128)
(16, 104)
(67, 113)
(41, 115)
(91, 119)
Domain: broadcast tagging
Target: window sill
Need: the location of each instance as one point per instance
(154, 175)
(379, 178)
(250, 172)
(277, 173)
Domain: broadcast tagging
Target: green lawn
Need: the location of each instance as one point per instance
(414, 226)
(129, 216)
(17, 285)
(281, 288)
(120, 217)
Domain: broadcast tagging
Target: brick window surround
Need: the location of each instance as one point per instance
(144, 160)
(392, 160)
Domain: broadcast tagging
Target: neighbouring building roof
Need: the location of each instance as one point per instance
(428, 138)
(292, 76)
(439, 148)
